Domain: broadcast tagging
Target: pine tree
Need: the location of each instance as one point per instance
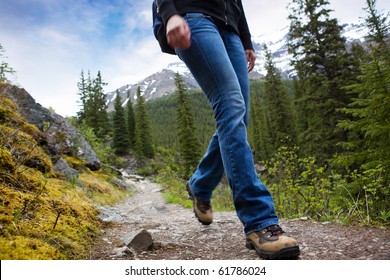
(4, 67)
(379, 30)
(323, 68)
(83, 93)
(258, 128)
(143, 139)
(367, 156)
(279, 106)
(371, 109)
(188, 142)
(130, 121)
(94, 112)
(120, 133)
(102, 122)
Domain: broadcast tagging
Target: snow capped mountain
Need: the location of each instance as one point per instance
(156, 85)
(162, 83)
(354, 32)
(276, 42)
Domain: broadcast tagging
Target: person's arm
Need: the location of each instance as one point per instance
(246, 39)
(243, 28)
(166, 9)
(178, 32)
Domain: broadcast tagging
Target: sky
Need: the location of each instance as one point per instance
(49, 42)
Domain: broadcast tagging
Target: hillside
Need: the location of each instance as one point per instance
(44, 213)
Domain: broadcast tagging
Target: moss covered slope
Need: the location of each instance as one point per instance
(42, 216)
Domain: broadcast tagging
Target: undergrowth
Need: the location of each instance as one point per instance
(300, 187)
(175, 192)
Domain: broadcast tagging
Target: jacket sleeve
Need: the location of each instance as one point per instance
(245, 35)
(166, 9)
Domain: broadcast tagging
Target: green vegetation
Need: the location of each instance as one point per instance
(143, 138)
(130, 121)
(43, 216)
(188, 141)
(321, 61)
(93, 111)
(121, 136)
(5, 69)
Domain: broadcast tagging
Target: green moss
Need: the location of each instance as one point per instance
(57, 214)
(22, 248)
(6, 160)
(7, 110)
(24, 148)
(75, 163)
(100, 190)
(41, 216)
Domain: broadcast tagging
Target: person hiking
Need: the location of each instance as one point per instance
(213, 39)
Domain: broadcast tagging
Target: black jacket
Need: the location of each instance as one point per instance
(228, 14)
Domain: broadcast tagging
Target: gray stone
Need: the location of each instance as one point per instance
(62, 167)
(122, 251)
(121, 184)
(140, 241)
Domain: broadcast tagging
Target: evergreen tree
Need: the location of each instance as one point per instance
(163, 114)
(279, 106)
(102, 122)
(88, 102)
(367, 156)
(371, 109)
(4, 67)
(323, 68)
(93, 99)
(83, 93)
(130, 121)
(120, 133)
(258, 129)
(143, 139)
(379, 31)
(188, 142)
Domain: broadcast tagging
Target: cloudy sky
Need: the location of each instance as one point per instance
(49, 42)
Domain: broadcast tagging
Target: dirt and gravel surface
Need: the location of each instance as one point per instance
(176, 234)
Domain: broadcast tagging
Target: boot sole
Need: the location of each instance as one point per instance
(284, 254)
(191, 197)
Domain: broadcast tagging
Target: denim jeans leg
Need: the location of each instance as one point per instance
(217, 61)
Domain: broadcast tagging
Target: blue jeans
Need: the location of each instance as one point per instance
(216, 58)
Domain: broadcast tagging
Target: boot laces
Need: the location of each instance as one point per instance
(204, 205)
(275, 230)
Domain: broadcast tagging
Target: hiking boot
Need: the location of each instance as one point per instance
(271, 243)
(202, 209)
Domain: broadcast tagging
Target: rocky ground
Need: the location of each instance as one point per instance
(145, 227)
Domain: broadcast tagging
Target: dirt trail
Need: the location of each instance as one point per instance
(178, 235)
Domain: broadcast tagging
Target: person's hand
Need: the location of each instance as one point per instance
(250, 58)
(178, 33)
